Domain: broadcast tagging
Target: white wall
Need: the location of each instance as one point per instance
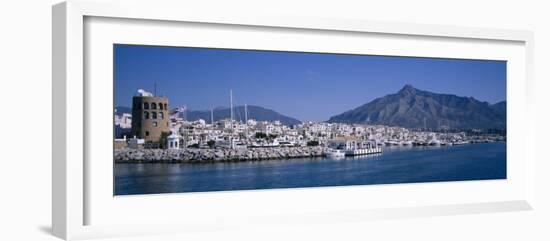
(25, 184)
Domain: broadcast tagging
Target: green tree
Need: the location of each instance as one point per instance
(260, 135)
(312, 143)
(162, 140)
(211, 143)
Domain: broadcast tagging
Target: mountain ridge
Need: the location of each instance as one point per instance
(414, 108)
(254, 112)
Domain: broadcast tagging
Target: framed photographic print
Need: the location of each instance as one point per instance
(313, 120)
(297, 119)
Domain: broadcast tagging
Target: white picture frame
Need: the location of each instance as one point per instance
(73, 188)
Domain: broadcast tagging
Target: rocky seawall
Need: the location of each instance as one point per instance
(195, 155)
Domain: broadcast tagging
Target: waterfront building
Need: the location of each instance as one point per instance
(121, 143)
(343, 143)
(252, 122)
(124, 120)
(136, 143)
(173, 141)
(149, 117)
(123, 124)
(177, 114)
(199, 123)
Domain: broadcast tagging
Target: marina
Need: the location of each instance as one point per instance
(234, 139)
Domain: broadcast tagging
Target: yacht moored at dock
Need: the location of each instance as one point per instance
(363, 151)
(335, 153)
(354, 146)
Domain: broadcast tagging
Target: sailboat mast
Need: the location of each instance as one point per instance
(212, 116)
(231, 105)
(245, 113)
(231, 141)
(246, 119)
(425, 124)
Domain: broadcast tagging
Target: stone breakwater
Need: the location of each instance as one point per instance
(195, 155)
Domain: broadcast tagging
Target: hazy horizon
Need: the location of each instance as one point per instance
(305, 86)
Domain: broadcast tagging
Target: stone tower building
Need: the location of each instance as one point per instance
(149, 116)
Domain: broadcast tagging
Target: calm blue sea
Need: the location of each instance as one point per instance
(395, 165)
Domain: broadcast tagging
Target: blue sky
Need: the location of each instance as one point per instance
(306, 86)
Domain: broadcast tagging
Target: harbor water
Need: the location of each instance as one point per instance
(401, 164)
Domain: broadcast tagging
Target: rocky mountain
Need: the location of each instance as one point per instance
(414, 108)
(254, 112)
(500, 107)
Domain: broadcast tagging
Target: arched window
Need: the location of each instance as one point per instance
(161, 115)
(146, 115)
(146, 105)
(165, 106)
(154, 115)
(160, 106)
(154, 106)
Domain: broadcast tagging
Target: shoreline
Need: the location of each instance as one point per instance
(195, 155)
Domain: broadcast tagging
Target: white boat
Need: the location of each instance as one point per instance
(287, 143)
(434, 142)
(355, 146)
(392, 143)
(456, 143)
(335, 153)
(407, 143)
(363, 151)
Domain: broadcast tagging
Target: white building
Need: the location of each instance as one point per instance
(252, 122)
(136, 143)
(124, 121)
(199, 123)
(173, 141)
